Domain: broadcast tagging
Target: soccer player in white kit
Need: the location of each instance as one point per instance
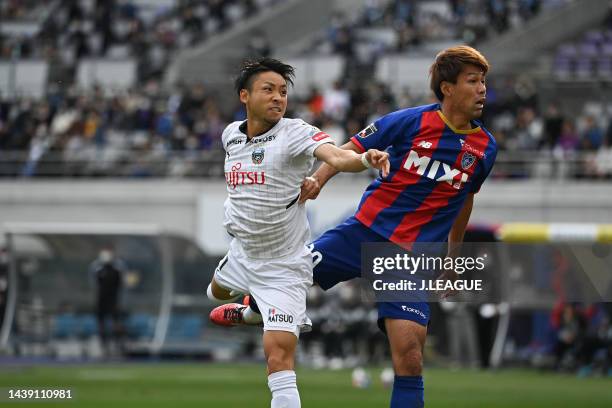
(267, 159)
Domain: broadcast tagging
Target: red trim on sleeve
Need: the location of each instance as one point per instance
(358, 144)
(320, 136)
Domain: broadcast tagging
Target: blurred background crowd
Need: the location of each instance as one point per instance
(103, 131)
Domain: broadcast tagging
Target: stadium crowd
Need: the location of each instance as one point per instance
(118, 29)
(132, 133)
(175, 24)
(412, 23)
(152, 131)
(152, 33)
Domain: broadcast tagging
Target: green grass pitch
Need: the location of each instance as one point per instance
(204, 385)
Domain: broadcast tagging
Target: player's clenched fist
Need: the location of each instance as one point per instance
(310, 189)
(379, 160)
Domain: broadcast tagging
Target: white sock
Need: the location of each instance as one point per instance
(284, 390)
(249, 316)
(219, 301)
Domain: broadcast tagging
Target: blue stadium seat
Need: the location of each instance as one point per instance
(64, 326)
(87, 325)
(185, 327)
(140, 325)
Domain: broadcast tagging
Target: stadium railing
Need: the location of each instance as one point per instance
(209, 164)
(112, 163)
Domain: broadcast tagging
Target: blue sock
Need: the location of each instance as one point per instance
(408, 392)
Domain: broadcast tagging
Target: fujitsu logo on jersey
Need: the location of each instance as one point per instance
(452, 176)
(237, 177)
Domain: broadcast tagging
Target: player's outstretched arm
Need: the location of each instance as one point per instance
(311, 187)
(350, 161)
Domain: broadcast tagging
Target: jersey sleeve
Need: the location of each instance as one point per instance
(380, 134)
(304, 139)
(488, 163)
(225, 135)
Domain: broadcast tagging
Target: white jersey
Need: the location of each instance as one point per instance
(263, 178)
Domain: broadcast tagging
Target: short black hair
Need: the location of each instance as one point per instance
(251, 68)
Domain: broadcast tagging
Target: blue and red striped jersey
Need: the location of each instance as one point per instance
(433, 168)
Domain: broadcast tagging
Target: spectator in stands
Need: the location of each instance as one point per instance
(210, 128)
(531, 127)
(599, 165)
(336, 101)
(608, 20)
(498, 14)
(315, 103)
(592, 137)
(553, 122)
(218, 11)
(529, 8)
(568, 140)
(340, 35)
(406, 37)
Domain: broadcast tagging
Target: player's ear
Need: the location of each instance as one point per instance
(446, 88)
(244, 95)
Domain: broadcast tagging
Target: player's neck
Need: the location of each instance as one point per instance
(457, 119)
(256, 127)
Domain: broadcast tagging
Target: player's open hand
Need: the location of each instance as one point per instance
(310, 189)
(379, 160)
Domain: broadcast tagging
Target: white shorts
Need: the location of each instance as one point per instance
(279, 286)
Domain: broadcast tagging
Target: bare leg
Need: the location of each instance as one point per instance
(407, 339)
(279, 348)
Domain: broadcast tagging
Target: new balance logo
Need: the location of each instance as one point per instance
(425, 166)
(425, 144)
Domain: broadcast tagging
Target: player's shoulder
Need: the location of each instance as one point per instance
(233, 127)
(232, 130)
(408, 115)
(492, 145)
(298, 123)
(295, 125)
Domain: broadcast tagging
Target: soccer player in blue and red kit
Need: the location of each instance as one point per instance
(440, 156)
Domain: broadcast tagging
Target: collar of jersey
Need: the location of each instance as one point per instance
(459, 131)
(263, 134)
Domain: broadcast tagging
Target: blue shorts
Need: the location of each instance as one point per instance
(337, 258)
